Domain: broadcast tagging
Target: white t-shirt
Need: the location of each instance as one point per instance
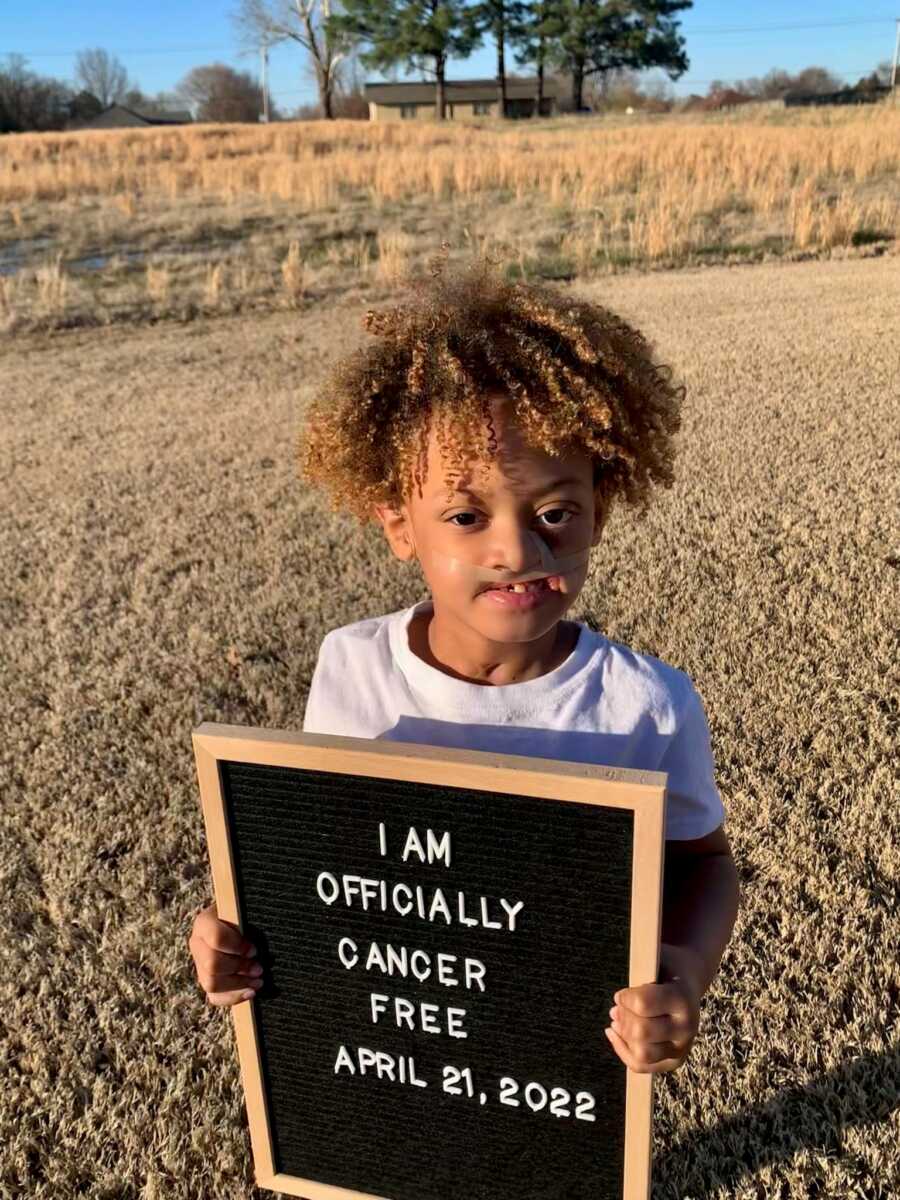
(604, 704)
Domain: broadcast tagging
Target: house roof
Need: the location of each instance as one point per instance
(118, 116)
(461, 90)
(172, 116)
(725, 98)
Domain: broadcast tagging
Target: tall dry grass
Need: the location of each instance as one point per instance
(394, 249)
(293, 274)
(562, 198)
(52, 286)
(672, 173)
(215, 280)
(158, 283)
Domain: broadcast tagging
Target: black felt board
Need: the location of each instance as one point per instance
(549, 984)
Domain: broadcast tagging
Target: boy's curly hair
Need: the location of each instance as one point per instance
(576, 374)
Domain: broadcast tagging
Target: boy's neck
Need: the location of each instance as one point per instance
(460, 652)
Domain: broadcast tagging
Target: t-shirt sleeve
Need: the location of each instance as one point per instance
(693, 805)
(316, 713)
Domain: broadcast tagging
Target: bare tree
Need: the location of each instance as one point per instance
(29, 101)
(219, 93)
(624, 88)
(778, 82)
(351, 76)
(817, 79)
(303, 22)
(151, 106)
(101, 74)
(349, 99)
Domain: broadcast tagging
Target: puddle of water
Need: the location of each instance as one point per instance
(21, 255)
(13, 256)
(96, 262)
(17, 256)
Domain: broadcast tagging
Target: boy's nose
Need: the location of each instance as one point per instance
(515, 550)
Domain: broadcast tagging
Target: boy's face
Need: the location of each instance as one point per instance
(520, 513)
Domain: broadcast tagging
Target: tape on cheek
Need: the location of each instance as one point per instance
(549, 565)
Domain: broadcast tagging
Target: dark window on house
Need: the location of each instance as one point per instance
(481, 108)
(408, 110)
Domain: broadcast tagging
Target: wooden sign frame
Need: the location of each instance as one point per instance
(643, 792)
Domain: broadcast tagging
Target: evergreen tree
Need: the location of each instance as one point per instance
(423, 34)
(504, 20)
(537, 39)
(606, 35)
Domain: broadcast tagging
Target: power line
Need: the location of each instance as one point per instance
(160, 51)
(688, 33)
(838, 74)
(675, 83)
(782, 28)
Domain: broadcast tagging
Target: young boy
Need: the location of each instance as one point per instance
(489, 434)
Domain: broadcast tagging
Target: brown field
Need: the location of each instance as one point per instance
(112, 226)
(162, 566)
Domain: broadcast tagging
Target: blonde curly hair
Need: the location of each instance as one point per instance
(575, 374)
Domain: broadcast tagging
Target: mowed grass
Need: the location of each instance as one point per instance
(107, 226)
(163, 566)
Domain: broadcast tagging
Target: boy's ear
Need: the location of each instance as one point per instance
(397, 530)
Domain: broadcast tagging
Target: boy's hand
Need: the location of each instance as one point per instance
(654, 1026)
(226, 969)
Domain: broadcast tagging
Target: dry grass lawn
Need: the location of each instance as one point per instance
(162, 566)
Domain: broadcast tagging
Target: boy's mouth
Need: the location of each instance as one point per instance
(548, 582)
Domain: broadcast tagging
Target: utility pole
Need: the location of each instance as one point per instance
(264, 52)
(894, 70)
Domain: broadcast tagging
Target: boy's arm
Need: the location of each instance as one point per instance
(701, 894)
(653, 1026)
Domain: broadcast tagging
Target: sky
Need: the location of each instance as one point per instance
(160, 42)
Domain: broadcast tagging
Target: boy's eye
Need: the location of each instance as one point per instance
(555, 517)
(560, 516)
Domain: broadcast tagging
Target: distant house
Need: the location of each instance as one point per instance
(723, 99)
(117, 116)
(464, 99)
(867, 94)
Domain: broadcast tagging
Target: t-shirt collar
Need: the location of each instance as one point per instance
(469, 699)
